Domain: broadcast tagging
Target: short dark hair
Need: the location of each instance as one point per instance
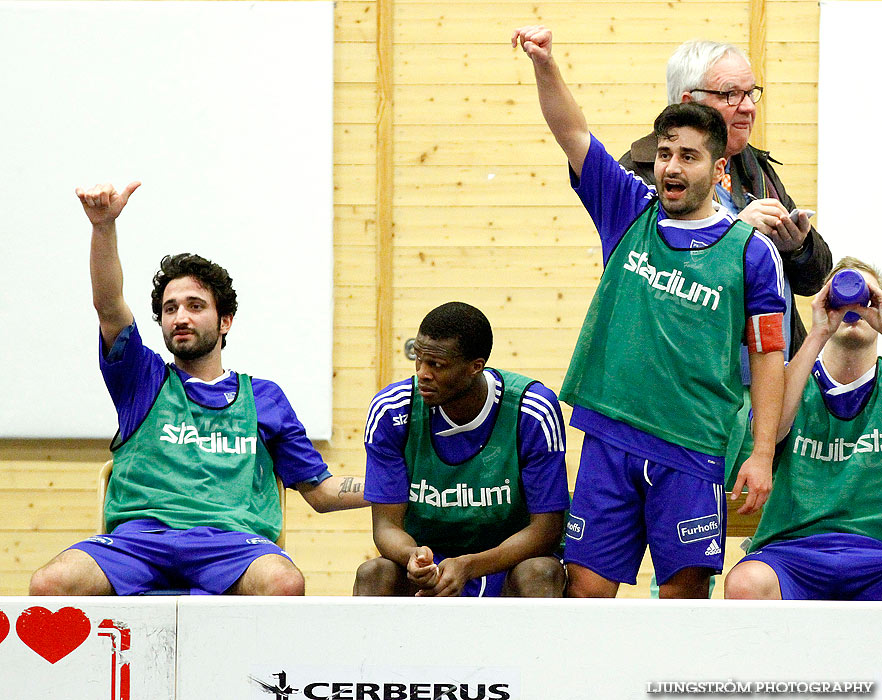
(210, 275)
(462, 321)
(700, 117)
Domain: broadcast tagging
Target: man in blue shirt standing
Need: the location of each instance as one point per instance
(655, 379)
(192, 501)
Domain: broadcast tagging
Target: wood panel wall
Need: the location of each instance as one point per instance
(474, 206)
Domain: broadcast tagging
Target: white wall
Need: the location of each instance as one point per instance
(224, 111)
(849, 108)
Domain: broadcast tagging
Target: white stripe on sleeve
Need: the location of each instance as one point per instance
(776, 258)
(542, 410)
(396, 398)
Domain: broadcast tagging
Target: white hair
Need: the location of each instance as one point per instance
(689, 64)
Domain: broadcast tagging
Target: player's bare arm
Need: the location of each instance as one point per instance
(391, 539)
(103, 204)
(766, 395)
(563, 115)
(824, 324)
(334, 493)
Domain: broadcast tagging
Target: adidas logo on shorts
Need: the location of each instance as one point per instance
(712, 549)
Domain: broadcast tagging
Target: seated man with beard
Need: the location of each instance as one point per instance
(192, 501)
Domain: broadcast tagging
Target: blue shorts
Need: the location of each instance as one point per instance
(489, 586)
(623, 502)
(145, 555)
(834, 566)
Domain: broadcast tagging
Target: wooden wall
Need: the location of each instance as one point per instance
(480, 208)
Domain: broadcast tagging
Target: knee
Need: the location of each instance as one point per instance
(270, 574)
(584, 583)
(752, 580)
(583, 588)
(285, 581)
(539, 577)
(691, 583)
(378, 576)
(44, 582)
(54, 579)
(73, 572)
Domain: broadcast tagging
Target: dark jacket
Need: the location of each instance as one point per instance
(752, 170)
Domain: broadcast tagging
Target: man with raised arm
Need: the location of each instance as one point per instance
(465, 471)
(192, 501)
(820, 536)
(719, 75)
(655, 380)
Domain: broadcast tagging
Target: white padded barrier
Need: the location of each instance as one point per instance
(228, 648)
(87, 648)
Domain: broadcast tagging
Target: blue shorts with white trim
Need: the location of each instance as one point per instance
(623, 502)
(144, 555)
(828, 566)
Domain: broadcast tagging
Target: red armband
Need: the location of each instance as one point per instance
(765, 333)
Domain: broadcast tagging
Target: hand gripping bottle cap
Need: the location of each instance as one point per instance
(849, 287)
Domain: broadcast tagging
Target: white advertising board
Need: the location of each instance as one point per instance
(87, 648)
(227, 648)
(457, 649)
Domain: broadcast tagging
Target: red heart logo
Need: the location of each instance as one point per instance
(4, 626)
(53, 635)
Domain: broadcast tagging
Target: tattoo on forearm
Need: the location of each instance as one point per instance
(349, 485)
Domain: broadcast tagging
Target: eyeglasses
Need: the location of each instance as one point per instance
(735, 97)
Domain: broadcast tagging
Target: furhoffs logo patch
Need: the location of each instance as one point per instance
(575, 527)
(696, 529)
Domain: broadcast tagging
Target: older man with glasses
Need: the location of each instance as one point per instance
(719, 75)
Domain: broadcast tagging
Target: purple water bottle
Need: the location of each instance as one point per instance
(849, 287)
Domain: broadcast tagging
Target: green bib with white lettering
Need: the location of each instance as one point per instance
(829, 474)
(189, 466)
(472, 506)
(660, 345)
